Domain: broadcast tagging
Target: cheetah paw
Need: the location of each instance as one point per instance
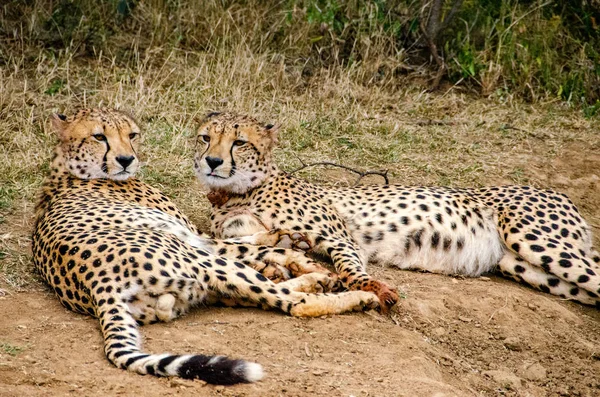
(388, 296)
(368, 302)
(294, 240)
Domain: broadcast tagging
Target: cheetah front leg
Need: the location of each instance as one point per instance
(346, 260)
(235, 280)
(311, 283)
(308, 283)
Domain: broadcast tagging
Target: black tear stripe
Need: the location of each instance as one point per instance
(232, 171)
(104, 165)
(131, 145)
(204, 152)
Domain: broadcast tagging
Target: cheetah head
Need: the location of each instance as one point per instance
(233, 153)
(98, 143)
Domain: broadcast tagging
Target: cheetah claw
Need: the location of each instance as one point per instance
(338, 286)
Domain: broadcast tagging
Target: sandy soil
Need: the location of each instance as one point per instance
(447, 337)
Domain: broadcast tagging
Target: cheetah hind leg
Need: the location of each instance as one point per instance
(520, 270)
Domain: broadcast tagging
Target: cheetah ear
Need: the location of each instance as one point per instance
(204, 119)
(273, 132)
(59, 122)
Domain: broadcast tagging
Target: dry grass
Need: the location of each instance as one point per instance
(326, 116)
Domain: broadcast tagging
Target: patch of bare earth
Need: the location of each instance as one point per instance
(447, 337)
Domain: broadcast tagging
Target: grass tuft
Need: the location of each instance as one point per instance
(11, 349)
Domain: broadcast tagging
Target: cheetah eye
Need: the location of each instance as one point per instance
(206, 138)
(100, 137)
(133, 135)
(239, 143)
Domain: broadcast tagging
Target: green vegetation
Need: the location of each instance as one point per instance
(10, 349)
(532, 49)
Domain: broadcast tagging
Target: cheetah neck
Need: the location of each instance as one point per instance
(220, 197)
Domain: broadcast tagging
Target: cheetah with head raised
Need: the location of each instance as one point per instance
(534, 236)
(117, 249)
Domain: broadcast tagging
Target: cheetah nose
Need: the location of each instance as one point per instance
(125, 161)
(213, 162)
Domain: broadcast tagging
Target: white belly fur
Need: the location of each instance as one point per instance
(480, 253)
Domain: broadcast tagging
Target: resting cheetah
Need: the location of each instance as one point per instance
(117, 249)
(534, 236)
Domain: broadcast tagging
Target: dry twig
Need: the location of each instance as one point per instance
(361, 174)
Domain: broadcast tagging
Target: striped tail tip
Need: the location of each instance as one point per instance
(220, 370)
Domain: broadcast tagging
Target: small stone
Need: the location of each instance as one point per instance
(532, 306)
(504, 378)
(464, 319)
(534, 372)
(439, 331)
(513, 343)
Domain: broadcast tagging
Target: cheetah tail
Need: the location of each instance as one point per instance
(122, 345)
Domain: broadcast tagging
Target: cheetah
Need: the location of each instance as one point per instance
(533, 236)
(114, 248)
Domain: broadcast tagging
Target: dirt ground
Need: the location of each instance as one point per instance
(447, 337)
